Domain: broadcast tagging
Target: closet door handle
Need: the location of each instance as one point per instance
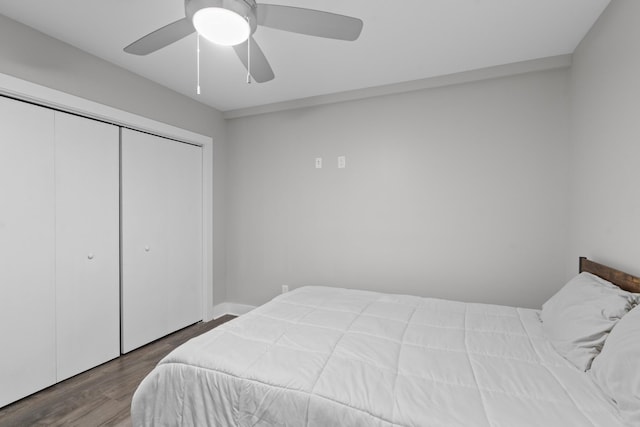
(90, 256)
(147, 248)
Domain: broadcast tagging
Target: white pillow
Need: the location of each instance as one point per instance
(617, 368)
(579, 317)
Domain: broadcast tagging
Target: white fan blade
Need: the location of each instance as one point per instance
(162, 37)
(310, 22)
(260, 69)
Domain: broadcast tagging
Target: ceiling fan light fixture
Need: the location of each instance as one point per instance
(221, 26)
(231, 23)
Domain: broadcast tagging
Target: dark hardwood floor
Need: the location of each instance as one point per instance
(100, 396)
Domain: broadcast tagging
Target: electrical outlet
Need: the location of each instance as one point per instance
(318, 162)
(342, 162)
(285, 289)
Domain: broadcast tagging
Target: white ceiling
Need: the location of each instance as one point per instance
(401, 41)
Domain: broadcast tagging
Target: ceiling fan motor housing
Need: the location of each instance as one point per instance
(244, 8)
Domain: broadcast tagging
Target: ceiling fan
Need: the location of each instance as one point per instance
(233, 22)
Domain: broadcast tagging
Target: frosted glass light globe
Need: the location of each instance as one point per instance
(221, 26)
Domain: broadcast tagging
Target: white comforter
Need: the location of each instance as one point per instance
(323, 357)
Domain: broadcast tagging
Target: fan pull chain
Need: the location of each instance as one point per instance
(249, 53)
(198, 62)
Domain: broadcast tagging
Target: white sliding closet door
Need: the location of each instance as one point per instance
(87, 243)
(161, 237)
(27, 304)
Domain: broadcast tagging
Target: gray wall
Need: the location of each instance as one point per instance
(456, 192)
(605, 125)
(36, 57)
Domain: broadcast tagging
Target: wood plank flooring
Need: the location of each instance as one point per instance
(102, 395)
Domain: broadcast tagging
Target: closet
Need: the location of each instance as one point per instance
(79, 284)
(59, 222)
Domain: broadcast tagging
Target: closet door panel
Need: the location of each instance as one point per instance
(185, 247)
(27, 311)
(87, 244)
(144, 256)
(161, 237)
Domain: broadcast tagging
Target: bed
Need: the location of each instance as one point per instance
(320, 356)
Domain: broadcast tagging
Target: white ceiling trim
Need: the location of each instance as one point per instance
(24, 90)
(542, 64)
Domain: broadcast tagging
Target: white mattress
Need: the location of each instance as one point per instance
(323, 357)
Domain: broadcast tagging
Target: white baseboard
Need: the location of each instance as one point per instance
(232, 308)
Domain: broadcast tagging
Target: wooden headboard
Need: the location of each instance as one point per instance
(621, 279)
